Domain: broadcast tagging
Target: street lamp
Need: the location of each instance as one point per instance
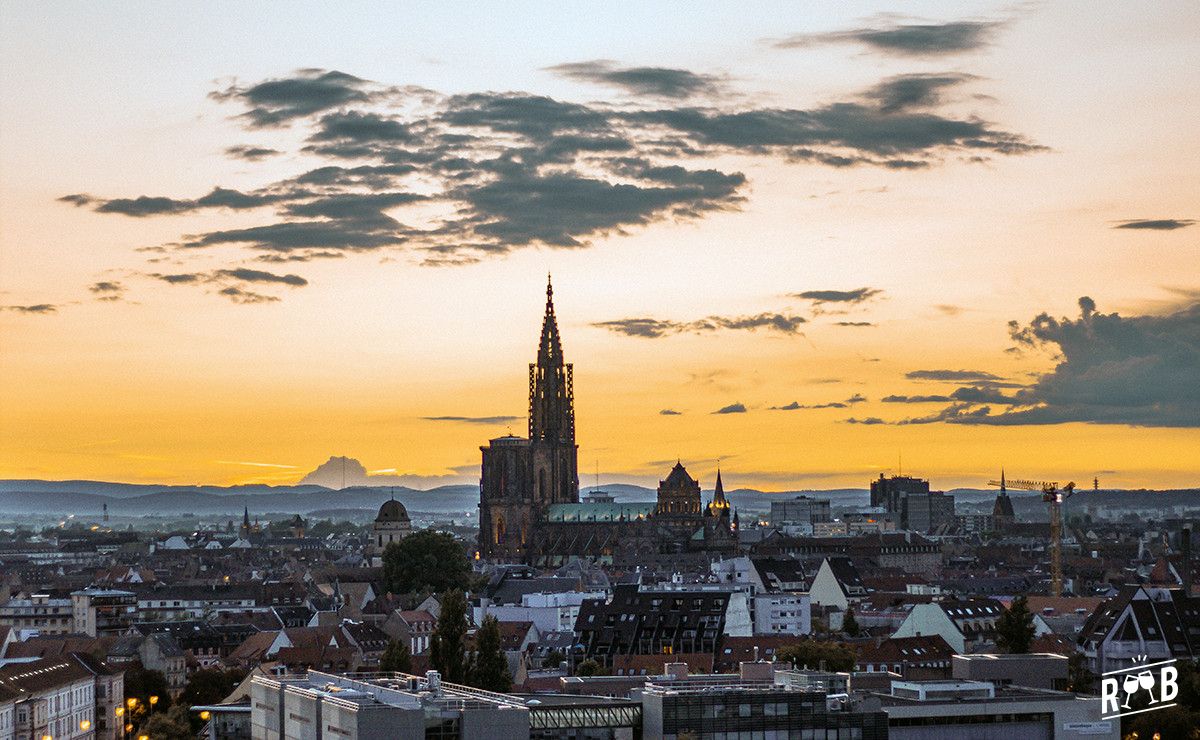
(85, 724)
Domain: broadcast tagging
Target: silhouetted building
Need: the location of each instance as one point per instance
(889, 492)
(529, 507)
(521, 477)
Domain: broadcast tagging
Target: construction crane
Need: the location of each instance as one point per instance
(1053, 496)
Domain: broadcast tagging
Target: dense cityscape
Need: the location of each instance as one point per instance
(599, 371)
(547, 613)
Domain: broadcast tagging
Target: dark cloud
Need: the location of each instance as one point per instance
(355, 126)
(245, 274)
(839, 135)
(492, 420)
(145, 205)
(965, 376)
(107, 290)
(34, 309)
(906, 39)
(916, 399)
(241, 295)
(858, 295)
(733, 408)
(660, 82)
(1156, 224)
(912, 91)
(251, 153)
(648, 328)
(869, 420)
(854, 323)
(670, 412)
(508, 170)
(303, 235)
(279, 101)
(1112, 369)
(796, 405)
(183, 278)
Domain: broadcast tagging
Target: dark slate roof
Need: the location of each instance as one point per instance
(42, 675)
(392, 511)
(774, 572)
(679, 478)
(846, 574)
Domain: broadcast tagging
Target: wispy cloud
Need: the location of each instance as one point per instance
(649, 328)
(1156, 224)
(905, 39)
(491, 420)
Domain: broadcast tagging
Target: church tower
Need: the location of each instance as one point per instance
(552, 417)
(522, 476)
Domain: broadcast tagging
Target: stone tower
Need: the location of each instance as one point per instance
(522, 476)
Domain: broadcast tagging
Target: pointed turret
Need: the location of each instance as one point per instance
(720, 504)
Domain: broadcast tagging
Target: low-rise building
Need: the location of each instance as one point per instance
(933, 710)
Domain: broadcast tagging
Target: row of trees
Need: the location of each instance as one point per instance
(485, 667)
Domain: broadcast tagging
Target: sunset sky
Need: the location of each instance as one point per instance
(806, 239)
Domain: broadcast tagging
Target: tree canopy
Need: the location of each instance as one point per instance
(426, 562)
(1014, 628)
(396, 658)
(491, 667)
(447, 649)
(837, 656)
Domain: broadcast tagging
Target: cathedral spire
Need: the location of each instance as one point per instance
(551, 395)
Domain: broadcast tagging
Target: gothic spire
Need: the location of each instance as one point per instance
(550, 346)
(719, 494)
(551, 396)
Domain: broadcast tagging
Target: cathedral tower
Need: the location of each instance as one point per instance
(552, 417)
(521, 477)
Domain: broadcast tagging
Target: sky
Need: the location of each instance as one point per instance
(815, 242)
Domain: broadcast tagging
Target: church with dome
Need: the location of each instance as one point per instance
(391, 525)
(529, 505)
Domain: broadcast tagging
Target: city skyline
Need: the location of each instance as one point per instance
(808, 242)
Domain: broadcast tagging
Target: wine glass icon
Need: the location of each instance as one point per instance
(1130, 684)
(1146, 681)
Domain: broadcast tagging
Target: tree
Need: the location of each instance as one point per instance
(588, 667)
(446, 647)
(850, 624)
(831, 656)
(210, 686)
(396, 658)
(1014, 628)
(173, 724)
(1175, 723)
(553, 659)
(425, 562)
(1079, 678)
(491, 667)
(141, 684)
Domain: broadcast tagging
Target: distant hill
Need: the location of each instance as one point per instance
(87, 498)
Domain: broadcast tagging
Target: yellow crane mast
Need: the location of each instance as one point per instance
(1053, 496)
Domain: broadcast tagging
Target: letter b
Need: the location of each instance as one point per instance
(1169, 684)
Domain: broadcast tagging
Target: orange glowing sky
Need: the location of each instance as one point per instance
(147, 380)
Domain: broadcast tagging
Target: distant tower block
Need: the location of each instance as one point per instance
(106, 513)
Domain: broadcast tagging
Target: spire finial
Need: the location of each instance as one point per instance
(549, 293)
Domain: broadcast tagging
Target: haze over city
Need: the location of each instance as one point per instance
(806, 240)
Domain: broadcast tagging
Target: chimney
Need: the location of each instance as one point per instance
(1186, 547)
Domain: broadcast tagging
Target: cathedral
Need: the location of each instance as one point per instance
(529, 506)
